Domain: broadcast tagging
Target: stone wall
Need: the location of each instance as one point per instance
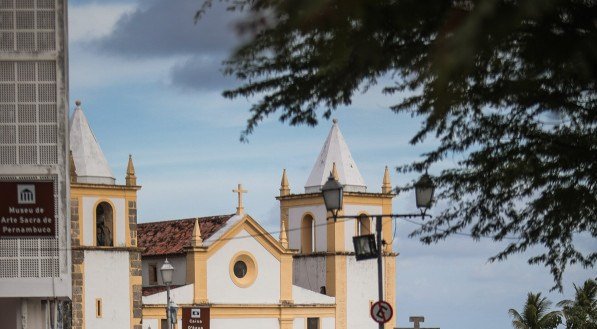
(77, 299)
(77, 266)
(135, 267)
(75, 228)
(135, 261)
(132, 205)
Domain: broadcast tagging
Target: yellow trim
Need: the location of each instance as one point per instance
(390, 288)
(336, 286)
(197, 273)
(114, 220)
(335, 234)
(286, 278)
(236, 311)
(253, 228)
(252, 269)
(105, 191)
(98, 308)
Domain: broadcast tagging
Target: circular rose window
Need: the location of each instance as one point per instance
(243, 269)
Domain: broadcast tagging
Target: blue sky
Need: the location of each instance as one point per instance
(150, 83)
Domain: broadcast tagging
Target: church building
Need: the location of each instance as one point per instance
(306, 277)
(106, 263)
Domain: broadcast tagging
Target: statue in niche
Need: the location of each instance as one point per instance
(103, 224)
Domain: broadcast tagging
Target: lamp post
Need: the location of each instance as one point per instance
(167, 271)
(332, 192)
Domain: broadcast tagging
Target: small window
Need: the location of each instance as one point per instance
(243, 269)
(308, 235)
(363, 225)
(312, 323)
(240, 269)
(98, 308)
(153, 274)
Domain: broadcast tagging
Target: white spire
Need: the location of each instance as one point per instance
(336, 151)
(92, 166)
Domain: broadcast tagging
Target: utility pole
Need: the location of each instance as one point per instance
(379, 262)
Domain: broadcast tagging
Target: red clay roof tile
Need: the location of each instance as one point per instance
(171, 237)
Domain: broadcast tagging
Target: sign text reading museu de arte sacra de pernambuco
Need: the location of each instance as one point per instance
(27, 209)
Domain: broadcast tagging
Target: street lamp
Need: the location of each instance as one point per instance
(167, 271)
(424, 189)
(332, 197)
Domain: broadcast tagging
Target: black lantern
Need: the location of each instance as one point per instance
(365, 247)
(332, 195)
(424, 189)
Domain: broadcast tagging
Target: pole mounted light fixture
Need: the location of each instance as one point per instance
(167, 271)
(371, 246)
(332, 195)
(424, 189)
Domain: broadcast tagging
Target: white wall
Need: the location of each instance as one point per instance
(120, 220)
(329, 323)
(178, 262)
(360, 291)
(106, 276)
(309, 272)
(350, 225)
(247, 323)
(295, 217)
(299, 323)
(221, 288)
(150, 323)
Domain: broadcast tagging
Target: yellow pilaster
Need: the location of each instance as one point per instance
(197, 273)
(390, 288)
(286, 278)
(387, 224)
(335, 234)
(336, 286)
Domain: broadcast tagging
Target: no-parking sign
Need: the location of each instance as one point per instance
(381, 312)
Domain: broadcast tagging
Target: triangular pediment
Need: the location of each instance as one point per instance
(256, 231)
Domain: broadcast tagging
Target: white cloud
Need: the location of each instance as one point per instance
(93, 20)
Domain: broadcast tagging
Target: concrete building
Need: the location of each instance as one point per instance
(106, 274)
(325, 259)
(35, 265)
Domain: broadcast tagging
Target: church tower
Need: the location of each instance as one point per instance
(325, 260)
(105, 259)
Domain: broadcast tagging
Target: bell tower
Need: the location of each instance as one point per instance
(325, 261)
(106, 261)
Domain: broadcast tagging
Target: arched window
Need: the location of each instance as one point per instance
(104, 225)
(308, 234)
(363, 225)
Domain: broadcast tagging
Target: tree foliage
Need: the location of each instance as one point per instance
(581, 313)
(535, 314)
(507, 86)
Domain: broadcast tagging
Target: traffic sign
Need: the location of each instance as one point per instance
(381, 312)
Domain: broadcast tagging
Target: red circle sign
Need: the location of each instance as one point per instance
(381, 312)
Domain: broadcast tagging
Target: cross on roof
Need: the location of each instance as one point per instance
(240, 191)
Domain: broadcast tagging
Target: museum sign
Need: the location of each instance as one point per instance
(27, 209)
